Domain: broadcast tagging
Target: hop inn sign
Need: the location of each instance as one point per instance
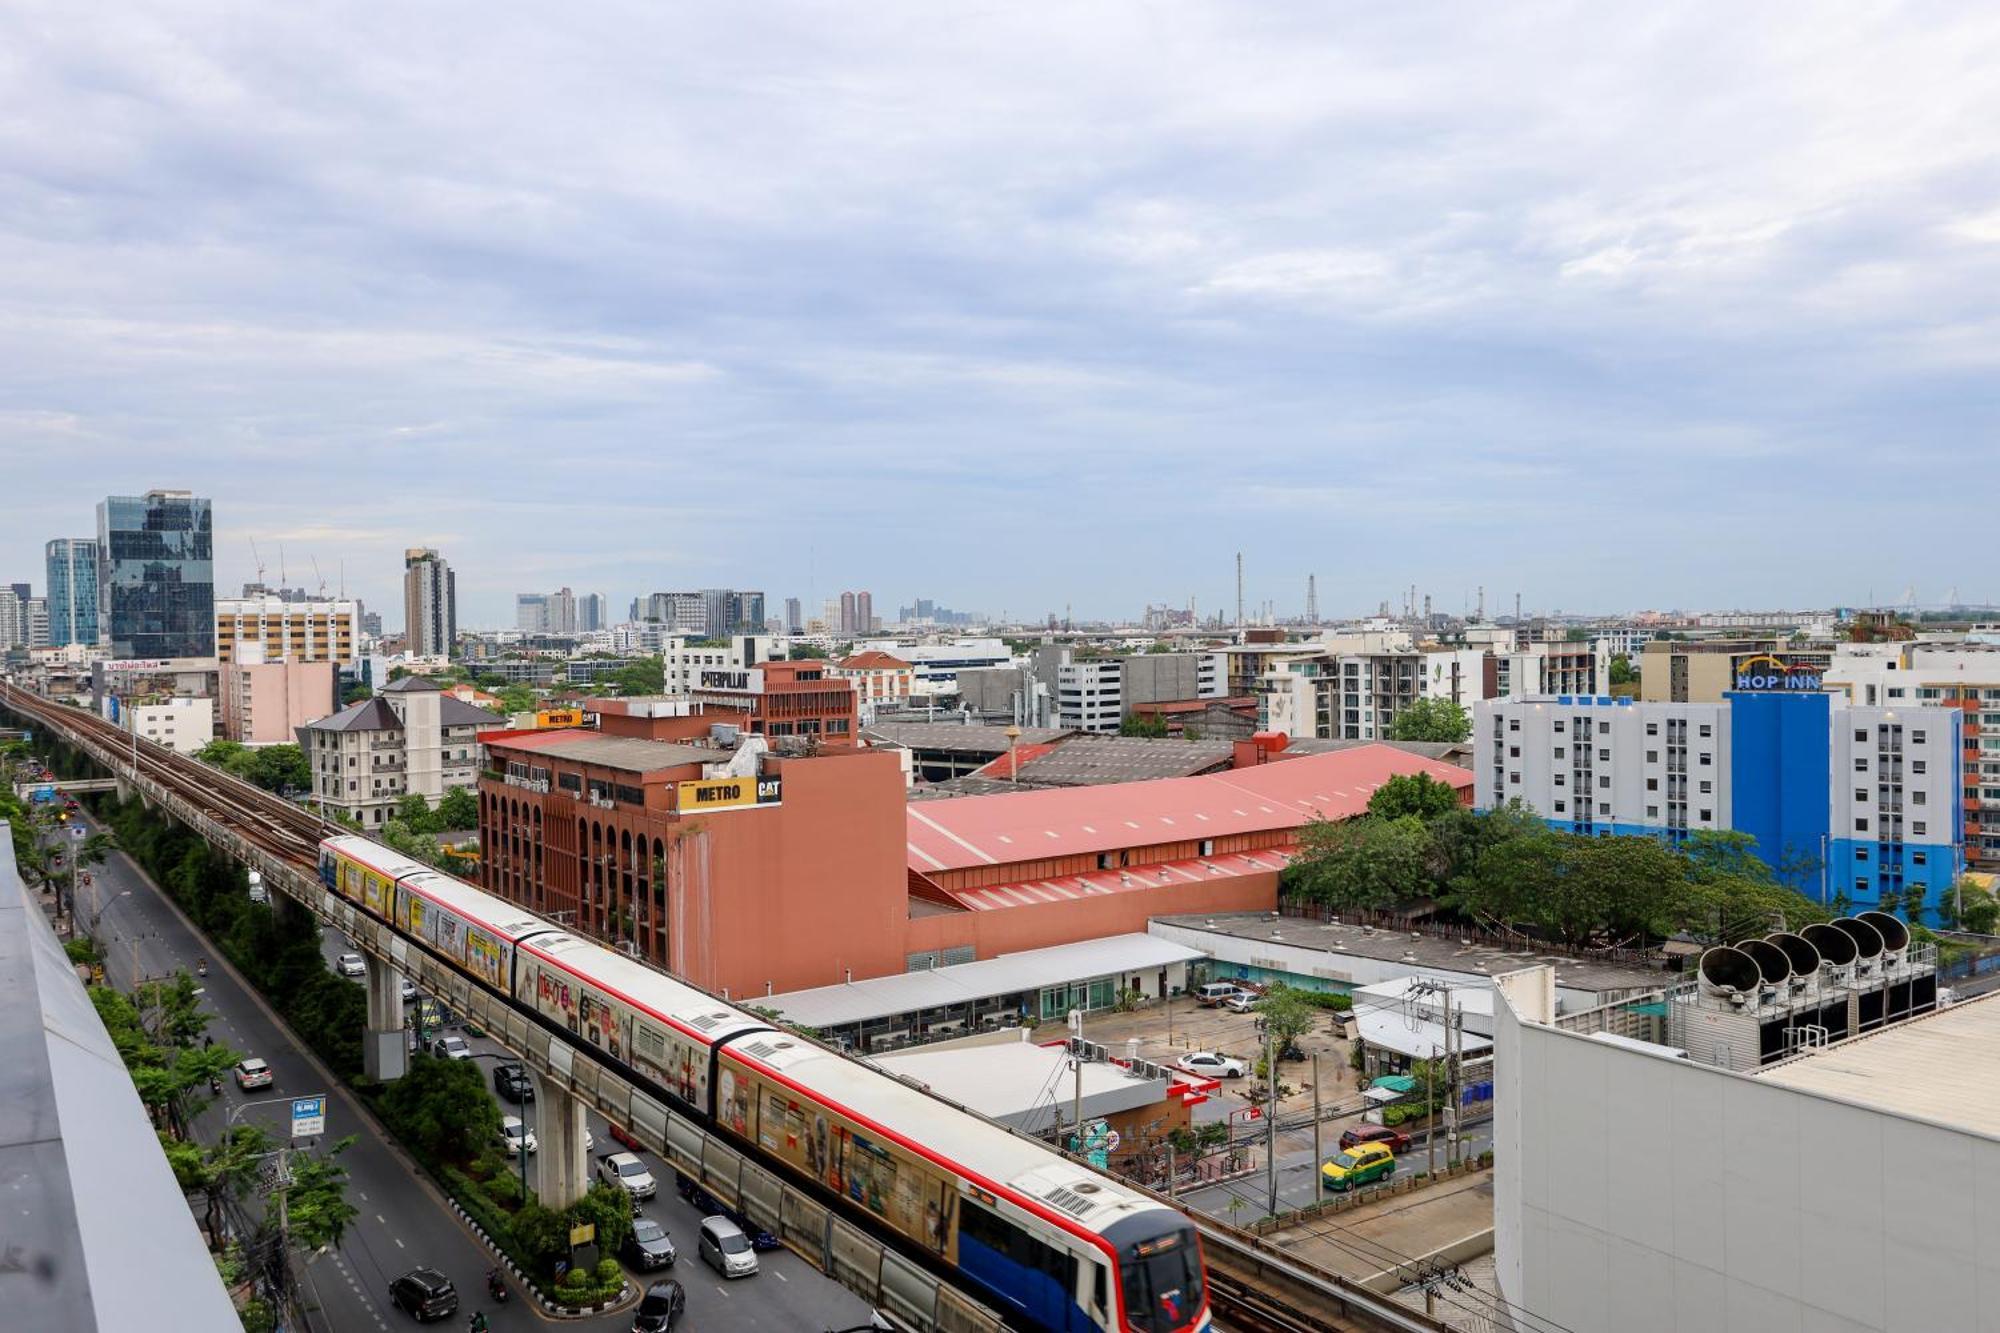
(1767, 674)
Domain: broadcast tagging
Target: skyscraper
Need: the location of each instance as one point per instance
(72, 590)
(430, 603)
(847, 613)
(795, 622)
(864, 613)
(531, 612)
(156, 575)
(590, 613)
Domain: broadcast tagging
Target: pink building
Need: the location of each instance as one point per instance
(265, 703)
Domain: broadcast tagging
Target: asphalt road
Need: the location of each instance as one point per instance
(1298, 1171)
(401, 1223)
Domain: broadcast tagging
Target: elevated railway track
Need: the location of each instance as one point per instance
(1254, 1286)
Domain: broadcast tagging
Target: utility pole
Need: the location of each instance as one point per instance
(1170, 1170)
(1239, 590)
(1430, 1137)
(1076, 1061)
(1316, 1112)
(1451, 1050)
(1271, 1121)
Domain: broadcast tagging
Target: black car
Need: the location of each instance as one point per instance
(661, 1309)
(649, 1246)
(425, 1293)
(513, 1083)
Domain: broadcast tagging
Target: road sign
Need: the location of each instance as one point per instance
(308, 1117)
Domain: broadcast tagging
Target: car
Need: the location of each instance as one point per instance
(425, 1294)
(252, 1073)
(1210, 1065)
(451, 1048)
(725, 1248)
(1363, 1164)
(1242, 1002)
(589, 1139)
(352, 965)
(409, 990)
(661, 1308)
(649, 1246)
(627, 1173)
(1216, 992)
(512, 1082)
(709, 1206)
(515, 1137)
(1395, 1139)
(625, 1136)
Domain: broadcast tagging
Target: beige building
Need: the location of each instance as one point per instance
(183, 723)
(878, 677)
(319, 631)
(266, 702)
(1700, 671)
(412, 737)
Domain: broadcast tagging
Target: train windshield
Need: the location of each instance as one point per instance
(1163, 1290)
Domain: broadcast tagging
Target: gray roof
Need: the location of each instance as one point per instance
(456, 712)
(368, 715)
(1451, 752)
(1083, 761)
(629, 753)
(100, 1235)
(951, 788)
(411, 684)
(957, 737)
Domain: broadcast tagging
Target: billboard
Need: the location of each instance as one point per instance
(726, 794)
(1767, 674)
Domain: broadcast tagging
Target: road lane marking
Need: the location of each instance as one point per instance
(780, 1276)
(399, 1242)
(383, 1220)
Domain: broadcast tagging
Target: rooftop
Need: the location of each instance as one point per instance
(874, 660)
(996, 830)
(964, 983)
(1445, 952)
(1926, 1068)
(1021, 1083)
(626, 753)
(955, 737)
(1088, 760)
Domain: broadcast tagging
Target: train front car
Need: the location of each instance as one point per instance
(1160, 1272)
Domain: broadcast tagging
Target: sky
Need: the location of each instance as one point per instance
(1017, 307)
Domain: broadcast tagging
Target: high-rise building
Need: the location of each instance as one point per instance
(13, 619)
(849, 616)
(286, 631)
(430, 603)
(35, 622)
(156, 575)
(531, 612)
(371, 624)
(864, 613)
(591, 613)
(794, 616)
(678, 612)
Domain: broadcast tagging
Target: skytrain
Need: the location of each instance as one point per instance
(1050, 1244)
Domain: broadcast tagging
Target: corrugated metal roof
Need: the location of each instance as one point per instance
(1132, 879)
(964, 983)
(998, 830)
(1927, 1068)
(1083, 761)
(632, 754)
(956, 737)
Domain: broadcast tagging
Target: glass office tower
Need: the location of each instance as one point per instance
(72, 591)
(156, 575)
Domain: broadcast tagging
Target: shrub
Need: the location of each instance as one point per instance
(608, 1272)
(1395, 1115)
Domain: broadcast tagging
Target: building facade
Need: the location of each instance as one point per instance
(410, 738)
(266, 702)
(879, 678)
(72, 572)
(1844, 801)
(288, 631)
(156, 575)
(182, 723)
(430, 604)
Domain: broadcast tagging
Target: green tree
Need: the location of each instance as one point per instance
(610, 1208)
(1415, 794)
(1430, 720)
(1364, 862)
(519, 699)
(457, 809)
(442, 1109)
(222, 754)
(643, 675)
(356, 693)
(1287, 1015)
(278, 768)
(316, 1206)
(416, 814)
(806, 652)
(218, 1171)
(1136, 724)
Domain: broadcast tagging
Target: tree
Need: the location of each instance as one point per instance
(806, 652)
(644, 675)
(355, 693)
(222, 754)
(1621, 670)
(416, 814)
(1135, 724)
(398, 672)
(1577, 636)
(442, 1109)
(1430, 720)
(278, 768)
(1364, 862)
(610, 1208)
(316, 1206)
(1287, 1015)
(1415, 794)
(457, 809)
(519, 699)
(217, 1171)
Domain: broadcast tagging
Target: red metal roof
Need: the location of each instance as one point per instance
(997, 830)
(874, 660)
(1134, 879)
(1005, 766)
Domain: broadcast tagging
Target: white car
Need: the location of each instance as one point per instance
(1242, 1002)
(628, 1173)
(352, 965)
(252, 1073)
(451, 1048)
(1210, 1065)
(515, 1137)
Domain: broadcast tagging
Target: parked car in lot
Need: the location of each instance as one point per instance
(424, 1293)
(451, 1048)
(649, 1246)
(515, 1137)
(252, 1073)
(1210, 1065)
(725, 1248)
(628, 1173)
(352, 965)
(1242, 1002)
(1363, 1164)
(1218, 992)
(512, 1082)
(661, 1308)
(1395, 1140)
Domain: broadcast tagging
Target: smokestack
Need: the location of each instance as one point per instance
(1517, 608)
(1427, 608)
(1480, 614)
(1312, 599)
(1239, 590)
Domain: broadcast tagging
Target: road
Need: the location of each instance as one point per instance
(401, 1223)
(1298, 1171)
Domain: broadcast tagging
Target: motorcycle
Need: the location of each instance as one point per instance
(201, 967)
(214, 1084)
(496, 1287)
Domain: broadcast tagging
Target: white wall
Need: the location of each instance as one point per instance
(1635, 1194)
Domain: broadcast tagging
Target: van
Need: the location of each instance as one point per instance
(725, 1248)
(1215, 992)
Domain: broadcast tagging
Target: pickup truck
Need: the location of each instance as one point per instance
(628, 1173)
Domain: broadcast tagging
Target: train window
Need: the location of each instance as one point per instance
(1101, 1297)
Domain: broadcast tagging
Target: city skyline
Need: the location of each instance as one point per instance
(1395, 299)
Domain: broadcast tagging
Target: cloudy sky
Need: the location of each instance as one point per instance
(1015, 306)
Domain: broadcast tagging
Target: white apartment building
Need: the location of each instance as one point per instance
(182, 723)
(1356, 695)
(1090, 694)
(316, 631)
(1095, 693)
(1656, 769)
(411, 737)
(684, 662)
(935, 663)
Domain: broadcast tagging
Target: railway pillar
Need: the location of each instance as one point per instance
(384, 1054)
(562, 1167)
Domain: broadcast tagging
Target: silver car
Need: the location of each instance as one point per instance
(725, 1248)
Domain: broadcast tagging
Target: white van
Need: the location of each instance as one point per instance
(1215, 992)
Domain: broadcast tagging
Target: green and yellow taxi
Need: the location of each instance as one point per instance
(1363, 1164)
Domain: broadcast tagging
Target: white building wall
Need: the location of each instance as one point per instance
(1643, 1194)
(182, 724)
(1526, 750)
(1090, 695)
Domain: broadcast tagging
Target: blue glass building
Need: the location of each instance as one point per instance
(72, 564)
(156, 575)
